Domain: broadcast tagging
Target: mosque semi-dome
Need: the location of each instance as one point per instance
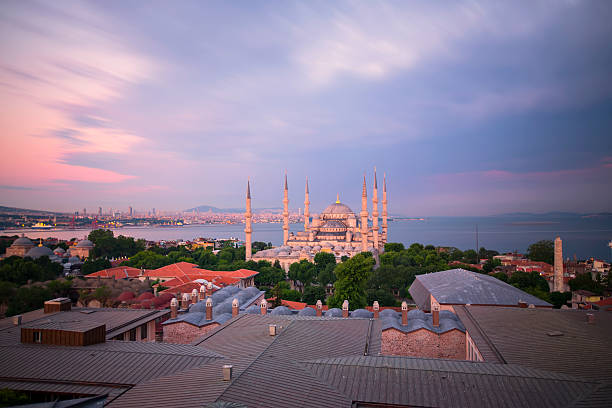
(39, 251)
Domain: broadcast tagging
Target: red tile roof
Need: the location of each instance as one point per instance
(290, 304)
(118, 272)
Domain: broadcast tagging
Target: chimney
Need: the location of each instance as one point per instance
(590, 317)
(435, 314)
(376, 309)
(227, 372)
(522, 304)
(404, 313)
(17, 320)
(155, 291)
(264, 307)
(319, 307)
(208, 308)
(202, 292)
(185, 301)
(209, 289)
(194, 296)
(173, 308)
(345, 311)
(235, 307)
(272, 329)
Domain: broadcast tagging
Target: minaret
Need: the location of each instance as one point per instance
(306, 207)
(375, 211)
(286, 213)
(384, 209)
(558, 267)
(248, 215)
(364, 217)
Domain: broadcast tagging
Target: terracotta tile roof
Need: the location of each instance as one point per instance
(290, 304)
(118, 272)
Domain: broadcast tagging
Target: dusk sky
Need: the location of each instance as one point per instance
(471, 108)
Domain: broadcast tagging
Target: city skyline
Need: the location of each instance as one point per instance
(476, 108)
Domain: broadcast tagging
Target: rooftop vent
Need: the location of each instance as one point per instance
(17, 320)
(272, 329)
(554, 333)
(227, 372)
(590, 317)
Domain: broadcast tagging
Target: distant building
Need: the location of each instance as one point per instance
(337, 230)
(19, 247)
(82, 249)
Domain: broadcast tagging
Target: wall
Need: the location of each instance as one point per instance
(185, 333)
(424, 343)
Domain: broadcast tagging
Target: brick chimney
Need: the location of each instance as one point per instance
(227, 372)
(376, 309)
(208, 308)
(404, 313)
(185, 301)
(345, 311)
(209, 289)
(522, 304)
(272, 328)
(319, 308)
(264, 307)
(235, 307)
(173, 308)
(194, 296)
(202, 292)
(435, 314)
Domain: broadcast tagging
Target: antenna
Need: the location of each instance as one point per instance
(477, 250)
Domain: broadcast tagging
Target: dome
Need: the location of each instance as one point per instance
(417, 314)
(388, 313)
(338, 208)
(307, 311)
(283, 253)
(59, 250)
(74, 260)
(334, 312)
(85, 244)
(362, 313)
(333, 224)
(281, 310)
(39, 251)
(22, 241)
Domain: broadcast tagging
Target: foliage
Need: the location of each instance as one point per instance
(559, 299)
(28, 298)
(490, 265)
(268, 275)
(542, 251)
(282, 290)
(526, 280)
(353, 276)
(303, 271)
(148, 260)
(501, 276)
(313, 293)
(107, 246)
(384, 297)
(10, 398)
(470, 256)
(21, 270)
(325, 264)
(260, 246)
(95, 265)
(484, 253)
(394, 247)
(585, 282)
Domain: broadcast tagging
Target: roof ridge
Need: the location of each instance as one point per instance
(539, 373)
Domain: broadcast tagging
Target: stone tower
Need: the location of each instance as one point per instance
(286, 212)
(375, 211)
(384, 209)
(364, 217)
(248, 218)
(558, 268)
(306, 207)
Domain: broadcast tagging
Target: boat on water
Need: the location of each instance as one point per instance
(41, 226)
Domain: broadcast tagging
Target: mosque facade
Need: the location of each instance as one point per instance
(336, 230)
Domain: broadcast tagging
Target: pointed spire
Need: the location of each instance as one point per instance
(248, 188)
(385, 182)
(307, 192)
(364, 193)
(286, 187)
(375, 182)
(337, 198)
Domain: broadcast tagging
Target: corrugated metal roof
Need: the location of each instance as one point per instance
(446, 383)
(417, 320)
(521, 336)
(63, 388)
(461, 287)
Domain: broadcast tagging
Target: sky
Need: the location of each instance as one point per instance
(470, 108)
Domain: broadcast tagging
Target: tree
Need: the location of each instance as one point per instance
(303, 271)
(352, 278)
(559, 299)
(269, 276)
(501, 276)
(585, 282)
(323, 259)
(490, 265)
(394, 247)
(542, 251)
(148, 260)
(470, 256)
(384, 297)
(484, 253)
(91, 266)
(313, 293)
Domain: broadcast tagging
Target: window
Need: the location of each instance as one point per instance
(143, 331)
(37, 337)
(133, 335)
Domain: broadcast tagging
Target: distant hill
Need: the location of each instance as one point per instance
(207, 208)
(14, 210)
(556, 214)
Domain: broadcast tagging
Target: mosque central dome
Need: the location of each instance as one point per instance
(338, 208)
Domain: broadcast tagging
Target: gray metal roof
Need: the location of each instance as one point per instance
(521, 336)
(446, 383)
(461, 287)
